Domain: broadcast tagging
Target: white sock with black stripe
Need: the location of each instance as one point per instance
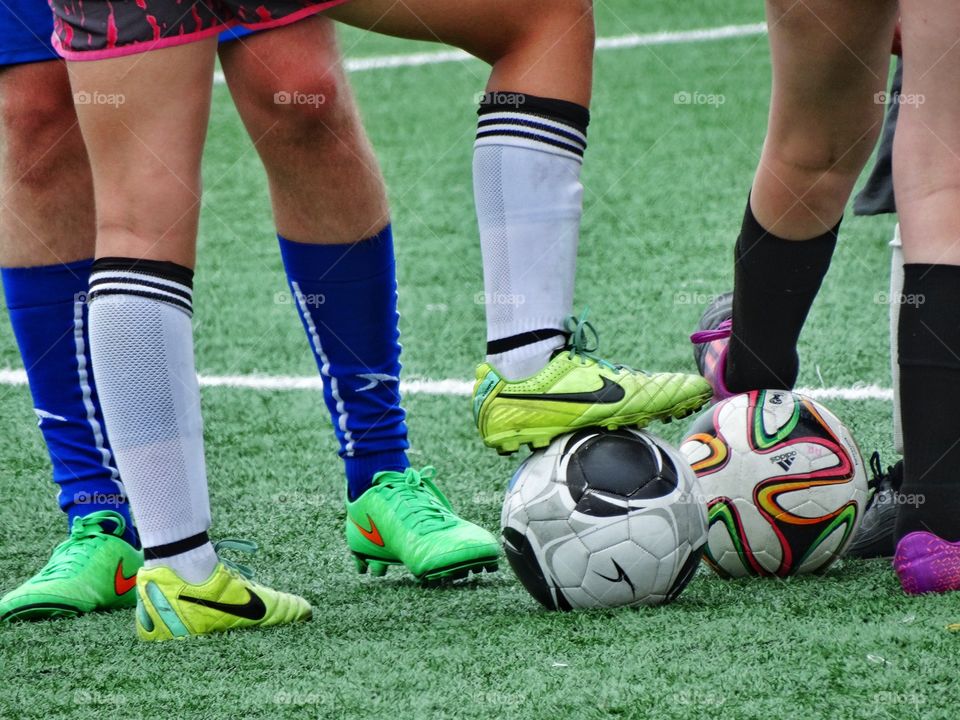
(141, 342)
(526, 175)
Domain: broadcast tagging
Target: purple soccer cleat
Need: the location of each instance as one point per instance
(926, 563)
(710, 344)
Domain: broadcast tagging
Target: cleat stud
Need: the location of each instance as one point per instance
(361, 564)
(378, 569)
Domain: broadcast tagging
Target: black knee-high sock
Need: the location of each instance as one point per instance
(930, 400)
(775, 283)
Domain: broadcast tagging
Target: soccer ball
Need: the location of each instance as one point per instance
(784, 482)
(601, 519)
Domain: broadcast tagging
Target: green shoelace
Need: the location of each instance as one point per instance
(419, 498)
(584, 341)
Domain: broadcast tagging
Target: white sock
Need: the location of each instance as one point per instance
(896, 290)
(526, 175)
(194, 566)
(141, 342)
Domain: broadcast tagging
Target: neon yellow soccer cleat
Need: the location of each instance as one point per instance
(168, 607)
(575, 390)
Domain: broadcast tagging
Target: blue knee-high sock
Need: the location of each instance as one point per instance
(347, 299)
(48, 311)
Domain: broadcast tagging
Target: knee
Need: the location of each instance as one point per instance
(574, 21)
(545, 25)
(303, 106)
(41, 139)
(824, 160)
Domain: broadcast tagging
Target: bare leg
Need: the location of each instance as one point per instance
(541, 47)
(46, 193)
(830, 59)
(325, 182)
(145, 151)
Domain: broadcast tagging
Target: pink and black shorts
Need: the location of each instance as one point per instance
(97, 29)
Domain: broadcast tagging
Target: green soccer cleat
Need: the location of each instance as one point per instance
(576, 390)
(94, 569)
(168, 607)
(404, 519)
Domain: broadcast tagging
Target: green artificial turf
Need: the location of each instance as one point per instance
(666, 185)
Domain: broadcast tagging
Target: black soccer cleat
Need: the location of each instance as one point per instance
(875, 538)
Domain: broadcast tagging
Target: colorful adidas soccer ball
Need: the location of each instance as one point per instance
(784, 482)
(602, 519)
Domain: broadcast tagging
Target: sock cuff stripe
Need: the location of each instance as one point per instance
(142, 293)
(502, 345)
(178, 547)
(505, 127)
(563, 111)
(109, 280)
(534, 121)
(156, 269)
(529, 140)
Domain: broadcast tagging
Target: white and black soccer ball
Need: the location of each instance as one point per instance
(784, 481)
(603, 519)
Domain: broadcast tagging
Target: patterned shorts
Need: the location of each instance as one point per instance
(97, 29)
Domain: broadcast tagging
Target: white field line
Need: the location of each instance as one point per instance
(449, 387)
(385, 62)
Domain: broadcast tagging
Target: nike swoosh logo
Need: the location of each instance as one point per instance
(608, 393)
(620, 577)
(44, 415)
(373, 534)
(121, 583)
(252, 609)
(374, 379)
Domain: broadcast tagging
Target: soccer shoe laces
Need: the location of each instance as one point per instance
(246, 546)
(883, 482)
(420, 500)
(583, 342)
(86, 535)
(720, 332)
